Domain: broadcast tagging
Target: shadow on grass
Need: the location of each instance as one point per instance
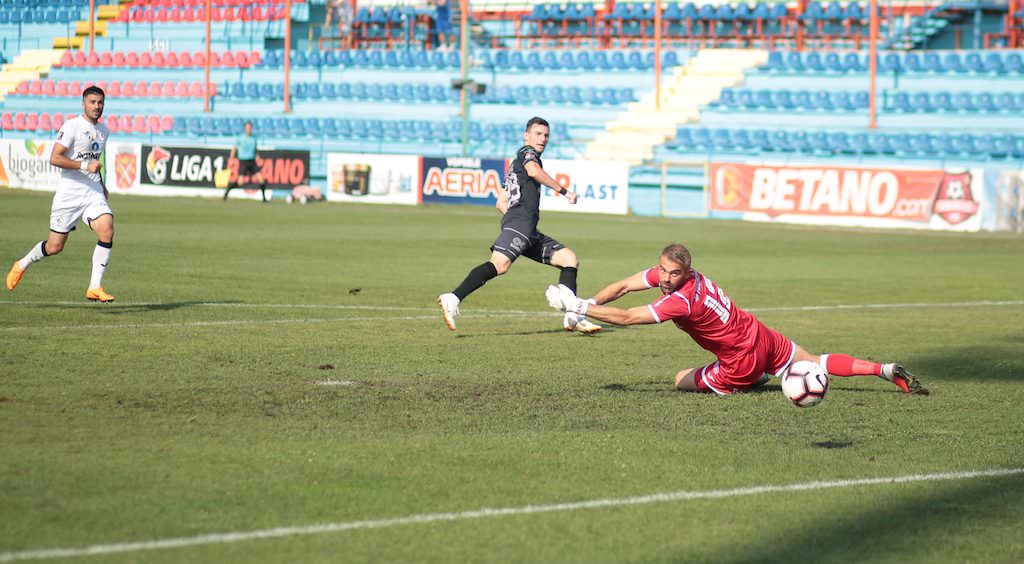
(507, 333)
(906, 527)
(122, 308)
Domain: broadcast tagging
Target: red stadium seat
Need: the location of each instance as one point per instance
(138, 14)
(185, 60)
(79, 58)
(106, 60)
(227, 59)
(199, 59)
(145, 59)
(174, 15)
(149, 16)
(153, 124)
(162, 15)
(142, 89)
(128, 89)
(7, 121)
(23, 88)
(171, 60)
(139, 125)
(166, 123)
(122, 17)
(49, 87)
(92, 59)
(44, 122)
(154, 89)
(255, 57)
(242, 59)
(62, 88)
(19, 121)
(181, 89)
(159, 61)
(188, 15)
(214, 59)
(167, 90)
(112, 124)
(119, 60)
(124, 123)
(75, 88)
(66, 60)
(195, 90)
(57, 120)
(114, 88)
(131, 59)
(102, 84)
(35, 88)
(31, 122)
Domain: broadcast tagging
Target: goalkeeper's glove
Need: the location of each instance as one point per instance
(563, 299)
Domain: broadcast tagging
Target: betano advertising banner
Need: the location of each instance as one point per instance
(373, 179)
(461, 180)
(25, 163)
(871, 197)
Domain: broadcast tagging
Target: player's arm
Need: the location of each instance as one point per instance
(502, 203)
(232, 155)
(640, 315)
(616, 290)
(537, 173)
(59, 159)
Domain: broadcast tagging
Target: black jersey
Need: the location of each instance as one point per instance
(523, 191)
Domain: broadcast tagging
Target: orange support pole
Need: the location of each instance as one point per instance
(206, 70)
(92, 24)
(873, 63)
(287, 56)
(657, 54)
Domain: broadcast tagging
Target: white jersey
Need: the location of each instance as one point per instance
(84, 141)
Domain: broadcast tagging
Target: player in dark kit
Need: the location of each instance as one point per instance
(520, 204)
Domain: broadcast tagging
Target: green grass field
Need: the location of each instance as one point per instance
(273, 366)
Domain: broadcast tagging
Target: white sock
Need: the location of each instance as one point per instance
(100, 259)
(35, 255)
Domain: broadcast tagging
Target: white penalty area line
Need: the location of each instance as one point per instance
(424, 518)
(477, 314)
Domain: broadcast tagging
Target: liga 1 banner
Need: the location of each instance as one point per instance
(871, 197)
(160, 170)
(374, 179)
(25, 163)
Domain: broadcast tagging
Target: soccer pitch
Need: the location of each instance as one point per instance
(276, 384)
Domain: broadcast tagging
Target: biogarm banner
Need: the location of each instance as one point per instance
(25, 163)
(839, 195)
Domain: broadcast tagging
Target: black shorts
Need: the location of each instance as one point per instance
(248, 167)
(522, 240)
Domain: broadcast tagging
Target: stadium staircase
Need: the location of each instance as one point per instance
(104, 13)
(634, 133)
(28, 65)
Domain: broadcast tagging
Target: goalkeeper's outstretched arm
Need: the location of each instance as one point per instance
(616, 290)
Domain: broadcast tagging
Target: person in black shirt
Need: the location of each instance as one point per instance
(519, 203)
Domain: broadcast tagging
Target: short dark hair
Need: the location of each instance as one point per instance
(679, 254)
(536, 121)
(93, 90)
(246, 123)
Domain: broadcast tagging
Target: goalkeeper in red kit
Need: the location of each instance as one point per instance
(746, 350)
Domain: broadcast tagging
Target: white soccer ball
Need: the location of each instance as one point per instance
(805, 383)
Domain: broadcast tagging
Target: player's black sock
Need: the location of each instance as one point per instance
(476, 278)
(263, 191)
(568, 278)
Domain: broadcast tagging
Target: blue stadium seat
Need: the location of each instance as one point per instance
(890, 62)
(973, 63)
(1013, 63)
(963, 102)
(763, 99)
(267, 91)
(759, 140)
(740, 139)
(775, 62)
(600, 61)
(921, 102)
(833, 63)
(838, 143)
(822, 101)
(993, 63)
(726, 99)
(237, 90)
(794, 62)
(952, 63)
(812, 61)
(985, 103)
(942, 101)
(841, 101)
(358, 91)
(932, 62)
(802, 100)
(858, 143)
(912, 62)
(861, 99)
(745, 99)
(900, 102)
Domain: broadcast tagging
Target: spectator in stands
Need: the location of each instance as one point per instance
(305, 193)
(340, 10)
(245, 148)
(443, 24)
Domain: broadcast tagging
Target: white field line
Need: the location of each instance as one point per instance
(278, 532)
(479, 314)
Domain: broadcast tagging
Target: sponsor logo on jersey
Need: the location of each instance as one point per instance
(955, 202)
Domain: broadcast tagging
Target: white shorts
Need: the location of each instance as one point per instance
(70, 206)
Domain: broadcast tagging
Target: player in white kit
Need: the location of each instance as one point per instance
(81, 194)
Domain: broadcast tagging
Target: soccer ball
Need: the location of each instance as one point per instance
(805, 383)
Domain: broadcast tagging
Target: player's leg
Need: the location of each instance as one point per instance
(499, 263)
(53, 244)
(258, 178)
(103, 226)
(693, 380)
(568, 263)
(846, 366)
